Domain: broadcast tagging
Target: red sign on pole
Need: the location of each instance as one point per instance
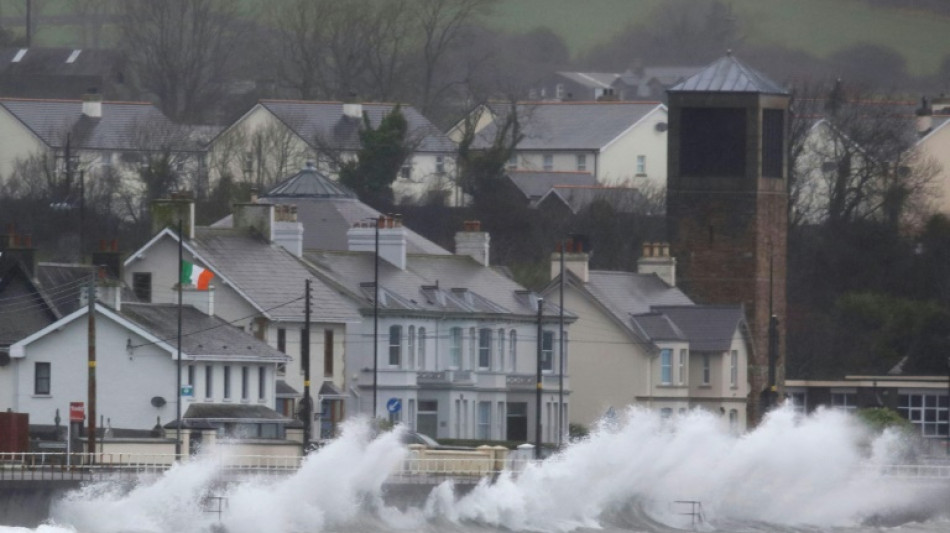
(77, 411)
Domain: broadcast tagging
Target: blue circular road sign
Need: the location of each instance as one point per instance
(394, 405)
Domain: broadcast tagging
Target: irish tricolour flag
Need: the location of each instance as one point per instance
(192, 274)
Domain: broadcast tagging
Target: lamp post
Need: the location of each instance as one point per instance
(537, 395)
(560, 379)
(376, 314)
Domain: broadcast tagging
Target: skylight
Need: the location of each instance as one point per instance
(72, 57)
(19, 55)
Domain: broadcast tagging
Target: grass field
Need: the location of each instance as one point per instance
(820, 27)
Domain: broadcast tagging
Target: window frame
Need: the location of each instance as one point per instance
(42, 380)
(666, 366)
(395, 345)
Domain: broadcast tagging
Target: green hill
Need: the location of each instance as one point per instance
(819, 27)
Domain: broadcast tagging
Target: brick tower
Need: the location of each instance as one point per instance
(727, 204)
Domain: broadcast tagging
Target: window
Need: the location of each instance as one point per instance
(472, 346)
(559, 91)
(484, 420)
(191, 375)
(282, 340)
(440, 164)
(395, 345)
(513, 350)
(248, 163)
(548, 162)
(227, 383)
(773, 142)
(928, 412)
(421, 360)
(142, 286)
(666, 413)
(734, 421)
(427, 420)
(455, 348)
(42, 378)
(666, 366)
(547, 351)
(513, 162)
(245, 382)
(328, 353)
(799, 402)
(411, 349)
(261, 383)
(501, 350)
(581, 162)
(681, 369)
(641, 165)
(209, 381)
(734, 368)
(406, 170)
(712, 141)
(843, 400)
(707, 369)
(484, 348)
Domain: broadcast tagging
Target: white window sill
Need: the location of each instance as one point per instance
(42, 396)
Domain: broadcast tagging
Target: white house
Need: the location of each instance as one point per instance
(620, 143)
(137, 369)
(638, 340)
(276, 137)
(456, 342)
(259, 285)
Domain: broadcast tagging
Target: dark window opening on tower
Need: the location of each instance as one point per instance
(712, 141)
(773, 142)
(712, 234)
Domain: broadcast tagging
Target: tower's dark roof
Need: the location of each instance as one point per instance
(729, 75)
(309, 183)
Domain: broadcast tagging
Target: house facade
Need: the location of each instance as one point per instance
(456, 343)
(259, 285)
(639, 340)
(276, 137)
(620, 143)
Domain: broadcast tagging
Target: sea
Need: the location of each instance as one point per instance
(636, 473)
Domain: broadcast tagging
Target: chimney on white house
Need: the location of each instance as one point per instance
(392, 239)
(199, 299)
(656, 260)
(287, 231)
(167, 212)
(353, 110)
(473, 242)
(576, 259)
(92, 104)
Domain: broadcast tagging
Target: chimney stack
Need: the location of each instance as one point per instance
(473, 242)
(16, 247)
(286, 230)
(392, 239)
(353, 110)
(109, 258)
(576, 258)
(167, 212)
(92, 103)
(199, 299)
(656, 260)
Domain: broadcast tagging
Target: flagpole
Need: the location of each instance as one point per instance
(181, 266)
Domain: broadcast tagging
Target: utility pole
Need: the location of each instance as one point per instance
(537, 394)
(305, 409)
(91, 388)
(376, 317)
(181, 267)
(560, 379)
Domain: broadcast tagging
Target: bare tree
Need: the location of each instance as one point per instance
(183, 51)
(93, 15)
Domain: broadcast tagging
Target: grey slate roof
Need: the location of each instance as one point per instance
(54, 61)
(119, 128)
(24, 307)
(658, 327)
(534, 185)
(595, 80)
(622, 199)
(570, 125)
(269, 275)
(325, 120)
(63, 284)
(437, 283)
(626, 293)
(710, 328)
(728, 74)
(202, 335)
(327, 210)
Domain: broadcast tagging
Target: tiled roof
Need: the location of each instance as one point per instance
(327, 215)
(269, 275)
(657, 327)
(728, 74)
(63, 283)
(626, 293)
(58, 61)
(710, 328)
(622, 199)
(24, 308)
(439, 283)
(595, 80)
(535, 184)
(121, 126)
(570, 125)
(202, 335)
(325, 120)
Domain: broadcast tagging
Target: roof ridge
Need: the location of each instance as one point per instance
(323, 102)
(69, 101)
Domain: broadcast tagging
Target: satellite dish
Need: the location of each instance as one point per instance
(158, 401)
(661, 126)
